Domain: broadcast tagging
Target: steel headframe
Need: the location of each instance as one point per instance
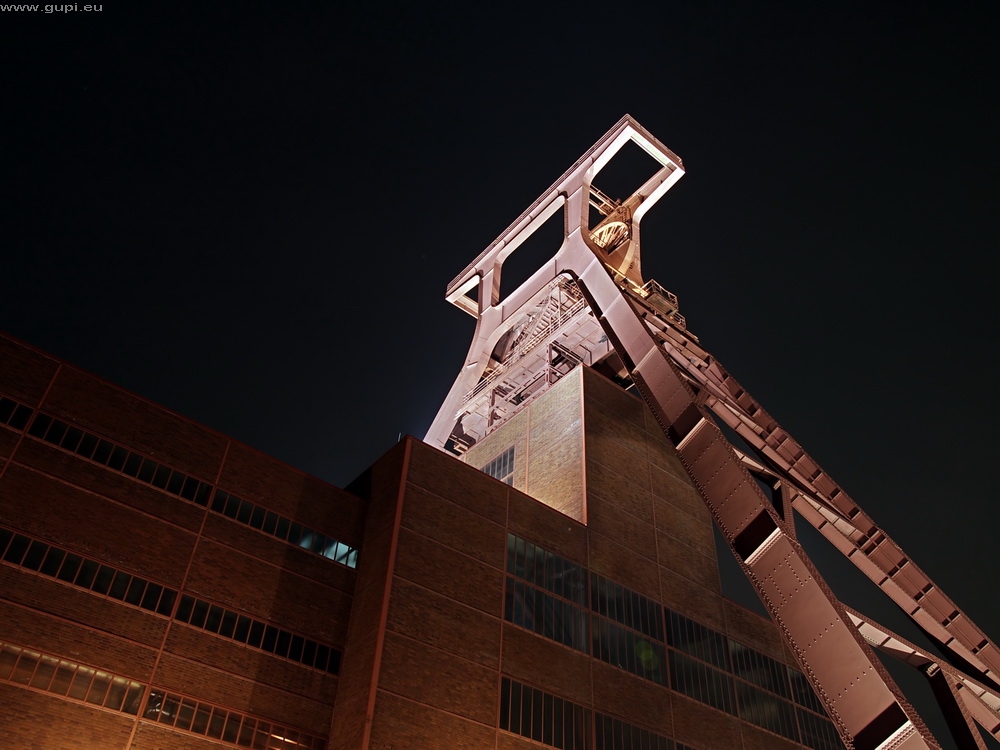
(691, 394)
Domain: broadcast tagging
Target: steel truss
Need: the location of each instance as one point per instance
(697, 403)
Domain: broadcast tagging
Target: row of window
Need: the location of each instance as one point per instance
(753, 704)
(283, 528)
(543, 717)
(86, 573)
(698, 680)
(553, 721)
(117, 458)
(698, 640)
(742, 661)
(77, 682)
(546, 570)
(13, 414)
(189, 715)
(614, 601)
(502, 467)
(629, 650)
(632, 632)
(540, 612)
(615, 734)
(93, 576)
(256, 634)
(145, 470)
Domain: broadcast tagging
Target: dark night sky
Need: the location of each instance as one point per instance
(249, 215)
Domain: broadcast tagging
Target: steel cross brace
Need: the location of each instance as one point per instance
(819, 500)
(964, 700)
(861, 698)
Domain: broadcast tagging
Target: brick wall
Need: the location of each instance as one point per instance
(88, 509)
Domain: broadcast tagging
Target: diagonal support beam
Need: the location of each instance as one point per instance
(822, 502)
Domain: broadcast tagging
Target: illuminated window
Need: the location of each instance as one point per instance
(233, 727)
(284, 529)
(174, 482)
(28, 668)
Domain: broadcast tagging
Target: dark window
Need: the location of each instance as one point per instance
(270, 638)
(72, 439)
(214, 619)
(216, 723)
(542, 613)
(184, 608)
(14, 414)
(40, 425)
(162, 477)
(502, 467)
(136, 589)
(629, 650)
(322, 657)
(70, 567)
(88, 445)
(702, 682)
(543, 717)
(766, 710)
(36, 553)
(16, 549)
(203, 493)
(242, 629)
(694, 638)
(119, 585)
(53, 561)
(176, 483)
(190, 488)
(56, 432)
(282, 531)
(151, 597)
(185, 714)
(105, 576)
(228, 624)
(166, 604)
(117, 459)
(88, 572)
(103, 452)
(132, 463)
(615, 734)
(256, 634)
(818, 732)
(199, 613)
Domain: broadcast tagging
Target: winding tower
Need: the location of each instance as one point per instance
(589, 304)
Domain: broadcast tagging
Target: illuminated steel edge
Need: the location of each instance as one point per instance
(684, 386)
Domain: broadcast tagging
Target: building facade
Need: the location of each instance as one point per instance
(166, 587)
(162, 586)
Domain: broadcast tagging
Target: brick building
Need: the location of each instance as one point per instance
(164, 586)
